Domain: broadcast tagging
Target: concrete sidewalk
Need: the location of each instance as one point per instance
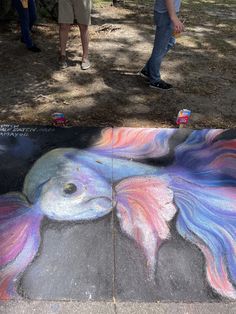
(72, 307)
(114, 234)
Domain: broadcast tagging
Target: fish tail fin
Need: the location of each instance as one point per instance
(204, 187)
(144, 207)
(207, 218)
(19, 240)
(209, 156)
(134, 143)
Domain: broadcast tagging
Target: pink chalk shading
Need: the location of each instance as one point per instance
(217, 275)
(19, 240)
(144, 207)
(135, 143)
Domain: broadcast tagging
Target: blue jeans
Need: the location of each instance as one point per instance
(163, 42)
(27, 20)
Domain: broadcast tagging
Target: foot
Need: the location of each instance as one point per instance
(161, 85)
(85, 65)
(34, 49)
(63, 62)
(144, 73)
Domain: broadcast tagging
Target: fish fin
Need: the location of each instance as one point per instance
(204, 186)
(135, 143)
(144, 207)
(19, 240)
(207, 218)
(207, 155)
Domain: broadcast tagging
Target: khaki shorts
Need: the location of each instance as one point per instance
(71, 10)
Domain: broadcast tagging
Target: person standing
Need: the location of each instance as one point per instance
(69, 11)
(167, 24)
(26, 10)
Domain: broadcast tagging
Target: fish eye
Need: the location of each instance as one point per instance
(70, 188)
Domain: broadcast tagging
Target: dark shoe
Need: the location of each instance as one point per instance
(161, 85)
(63, 62)
(34, 49)
(143, 73)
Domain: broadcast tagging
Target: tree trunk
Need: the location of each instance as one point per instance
(5, 9)
(46, 8)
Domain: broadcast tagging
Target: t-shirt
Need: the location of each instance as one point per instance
(160, 5)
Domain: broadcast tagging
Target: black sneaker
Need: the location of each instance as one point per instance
(144, 73)
(161, 85)
(34, 49)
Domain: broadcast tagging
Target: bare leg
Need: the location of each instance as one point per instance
(63, 34)
(84, 33)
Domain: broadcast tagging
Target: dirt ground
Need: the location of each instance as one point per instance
(201, 67)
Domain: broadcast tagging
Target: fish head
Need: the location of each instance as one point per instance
(69, 186)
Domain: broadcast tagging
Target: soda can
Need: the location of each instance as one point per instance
(58, 118)
(176, 35)
(183, 117)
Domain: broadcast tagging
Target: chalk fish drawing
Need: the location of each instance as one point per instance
(199, 187)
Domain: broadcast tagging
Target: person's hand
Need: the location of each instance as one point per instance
(178, 25)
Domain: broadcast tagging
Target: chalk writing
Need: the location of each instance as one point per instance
(17, 130)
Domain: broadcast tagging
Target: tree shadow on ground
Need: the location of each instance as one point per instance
(111, 93)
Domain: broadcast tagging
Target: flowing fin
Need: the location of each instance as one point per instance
(204, 185)
(134, 143)
(207, 217)
(144, 207)
(19, 240)
(205, 156)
